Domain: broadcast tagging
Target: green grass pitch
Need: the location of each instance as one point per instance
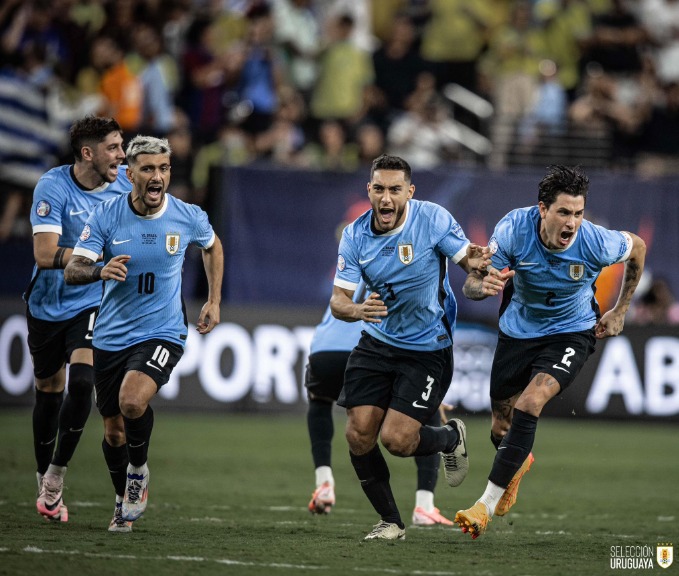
(228, 495)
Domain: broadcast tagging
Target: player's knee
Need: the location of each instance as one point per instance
(359, 441)
(398, 444)
(499, 430)
(115, 437)
(80, 380)
(131, 407)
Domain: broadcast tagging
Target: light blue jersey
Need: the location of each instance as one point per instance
(408, 268)
(61, 206)
(149, 303)
(553, 290)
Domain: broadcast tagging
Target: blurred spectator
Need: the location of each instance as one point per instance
(425, 135)
(345, 72)
(656, 306)
(566, 28)
(203, 74)
(360, 12)
(232, 148)
(333, 151)
(511, 66)
(256, 69)
(616, 40)
(283, 141)
(603, 105)
(661, 19)
(659, 140)
(546, 118)
(159, 79)
(298, 33)
(109, 76)
(370, 140)
(454, 38)
(398, 63)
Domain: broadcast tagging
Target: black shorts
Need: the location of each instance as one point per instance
(411, 382)
(324, 376)
(155, 358)
(518, 360)
(52, 343)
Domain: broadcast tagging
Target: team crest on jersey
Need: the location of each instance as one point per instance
(172, 243)
(43, 208)
(85, 234)
(576, 271)
(405, 253)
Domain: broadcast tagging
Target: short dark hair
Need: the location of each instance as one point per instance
(388, 162)
(91, 130)
(562, 180)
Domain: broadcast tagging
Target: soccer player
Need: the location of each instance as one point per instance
(141, 329)
(330, 348)
(397, 375)
(60, 318)
(549, 320)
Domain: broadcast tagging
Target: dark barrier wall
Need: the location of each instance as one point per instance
(280, 227)
(254, 361)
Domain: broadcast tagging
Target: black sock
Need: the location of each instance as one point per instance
(74, 412)
(138, 435)
(428, 466)
(435, 440)
(514, 448)
(116, 460)
(45, 426)
(321, 430)
(372, 471)
(496, 441)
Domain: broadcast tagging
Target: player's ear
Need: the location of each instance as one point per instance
(411, 191)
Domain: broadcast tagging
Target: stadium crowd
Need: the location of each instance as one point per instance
(331, 84)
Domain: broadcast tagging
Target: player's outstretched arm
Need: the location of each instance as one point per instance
(213, 261)
(342, 306)
(82, 270)
(611, 323)
(480, 285)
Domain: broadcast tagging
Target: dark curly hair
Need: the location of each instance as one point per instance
(91, 130)
(562, 180)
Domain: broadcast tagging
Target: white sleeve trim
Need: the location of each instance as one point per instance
(47, 228)
(210, 243)
(345, 284)
(461, 253)
(630, 244)
(80, 251)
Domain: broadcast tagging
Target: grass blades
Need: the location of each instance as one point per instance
(229, 492)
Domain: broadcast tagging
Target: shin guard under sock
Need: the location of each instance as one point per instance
(372, 471)
(321, 431)
(514, 448)
(138, 435)
(116, 460)
(45, 426)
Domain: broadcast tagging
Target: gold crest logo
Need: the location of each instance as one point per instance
(664, 555)
(576, 271)
(405, 253)
(172, 243)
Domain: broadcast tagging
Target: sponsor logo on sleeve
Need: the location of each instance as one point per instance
(85, 234)
(43, 208)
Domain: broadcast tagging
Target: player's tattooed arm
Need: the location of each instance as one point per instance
(82, 270)
(480, 285)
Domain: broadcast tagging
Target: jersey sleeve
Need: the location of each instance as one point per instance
(203, 233)
(448, 234)
(348, 272)
(47, 207)
(609, 246)
(501, 244)
(91, 240)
